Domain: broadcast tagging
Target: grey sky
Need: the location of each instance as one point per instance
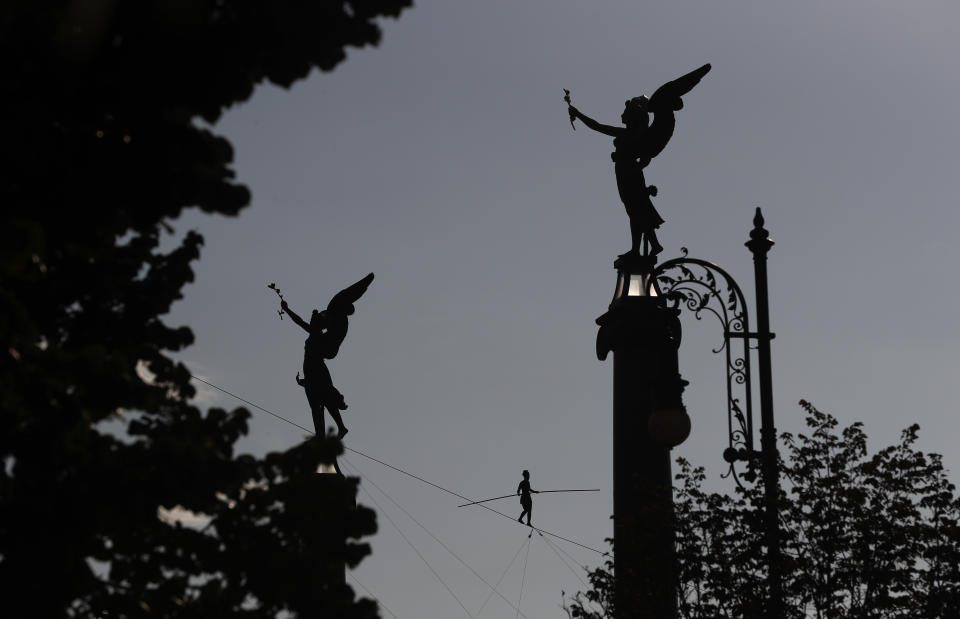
(443, 161)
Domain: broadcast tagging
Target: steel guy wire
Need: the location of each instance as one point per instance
(428, 532)
(414, 548)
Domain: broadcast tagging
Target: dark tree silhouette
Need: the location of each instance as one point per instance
(101, 151)
(863, 535)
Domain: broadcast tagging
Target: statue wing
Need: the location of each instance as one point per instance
(667, 97)
(663, 103)
(342, 302)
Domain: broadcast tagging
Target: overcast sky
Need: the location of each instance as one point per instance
(443, 161)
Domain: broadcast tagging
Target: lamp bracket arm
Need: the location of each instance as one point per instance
(703, 287)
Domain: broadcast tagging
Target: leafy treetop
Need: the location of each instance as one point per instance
(863, 535)
(101, 151)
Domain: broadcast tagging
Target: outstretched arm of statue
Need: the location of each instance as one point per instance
(294, 317)
(592, 124)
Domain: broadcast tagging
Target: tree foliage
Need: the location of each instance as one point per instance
(102, 150)
(864, 535)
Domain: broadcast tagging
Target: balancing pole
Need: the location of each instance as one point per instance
(507, 496)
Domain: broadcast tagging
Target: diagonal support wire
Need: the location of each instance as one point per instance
(428, 532)
(418, 553)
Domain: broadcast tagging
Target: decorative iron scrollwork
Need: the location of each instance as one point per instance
(700, 287)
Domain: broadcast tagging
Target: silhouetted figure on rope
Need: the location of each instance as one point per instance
(327, 329)
(526, 502)
(635, 144)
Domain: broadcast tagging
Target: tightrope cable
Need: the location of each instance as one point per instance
(257, 406)
(458, 495)
(399, 470)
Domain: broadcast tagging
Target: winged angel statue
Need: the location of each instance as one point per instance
(635, 144)
(326, 330)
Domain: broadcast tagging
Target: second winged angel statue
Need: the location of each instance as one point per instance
(635, 144)
(326, 330)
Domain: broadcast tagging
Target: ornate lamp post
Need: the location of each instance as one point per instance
(703, 287)
(648, 420)
(643, 332)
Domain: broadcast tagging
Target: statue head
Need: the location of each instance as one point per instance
(635, 111)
